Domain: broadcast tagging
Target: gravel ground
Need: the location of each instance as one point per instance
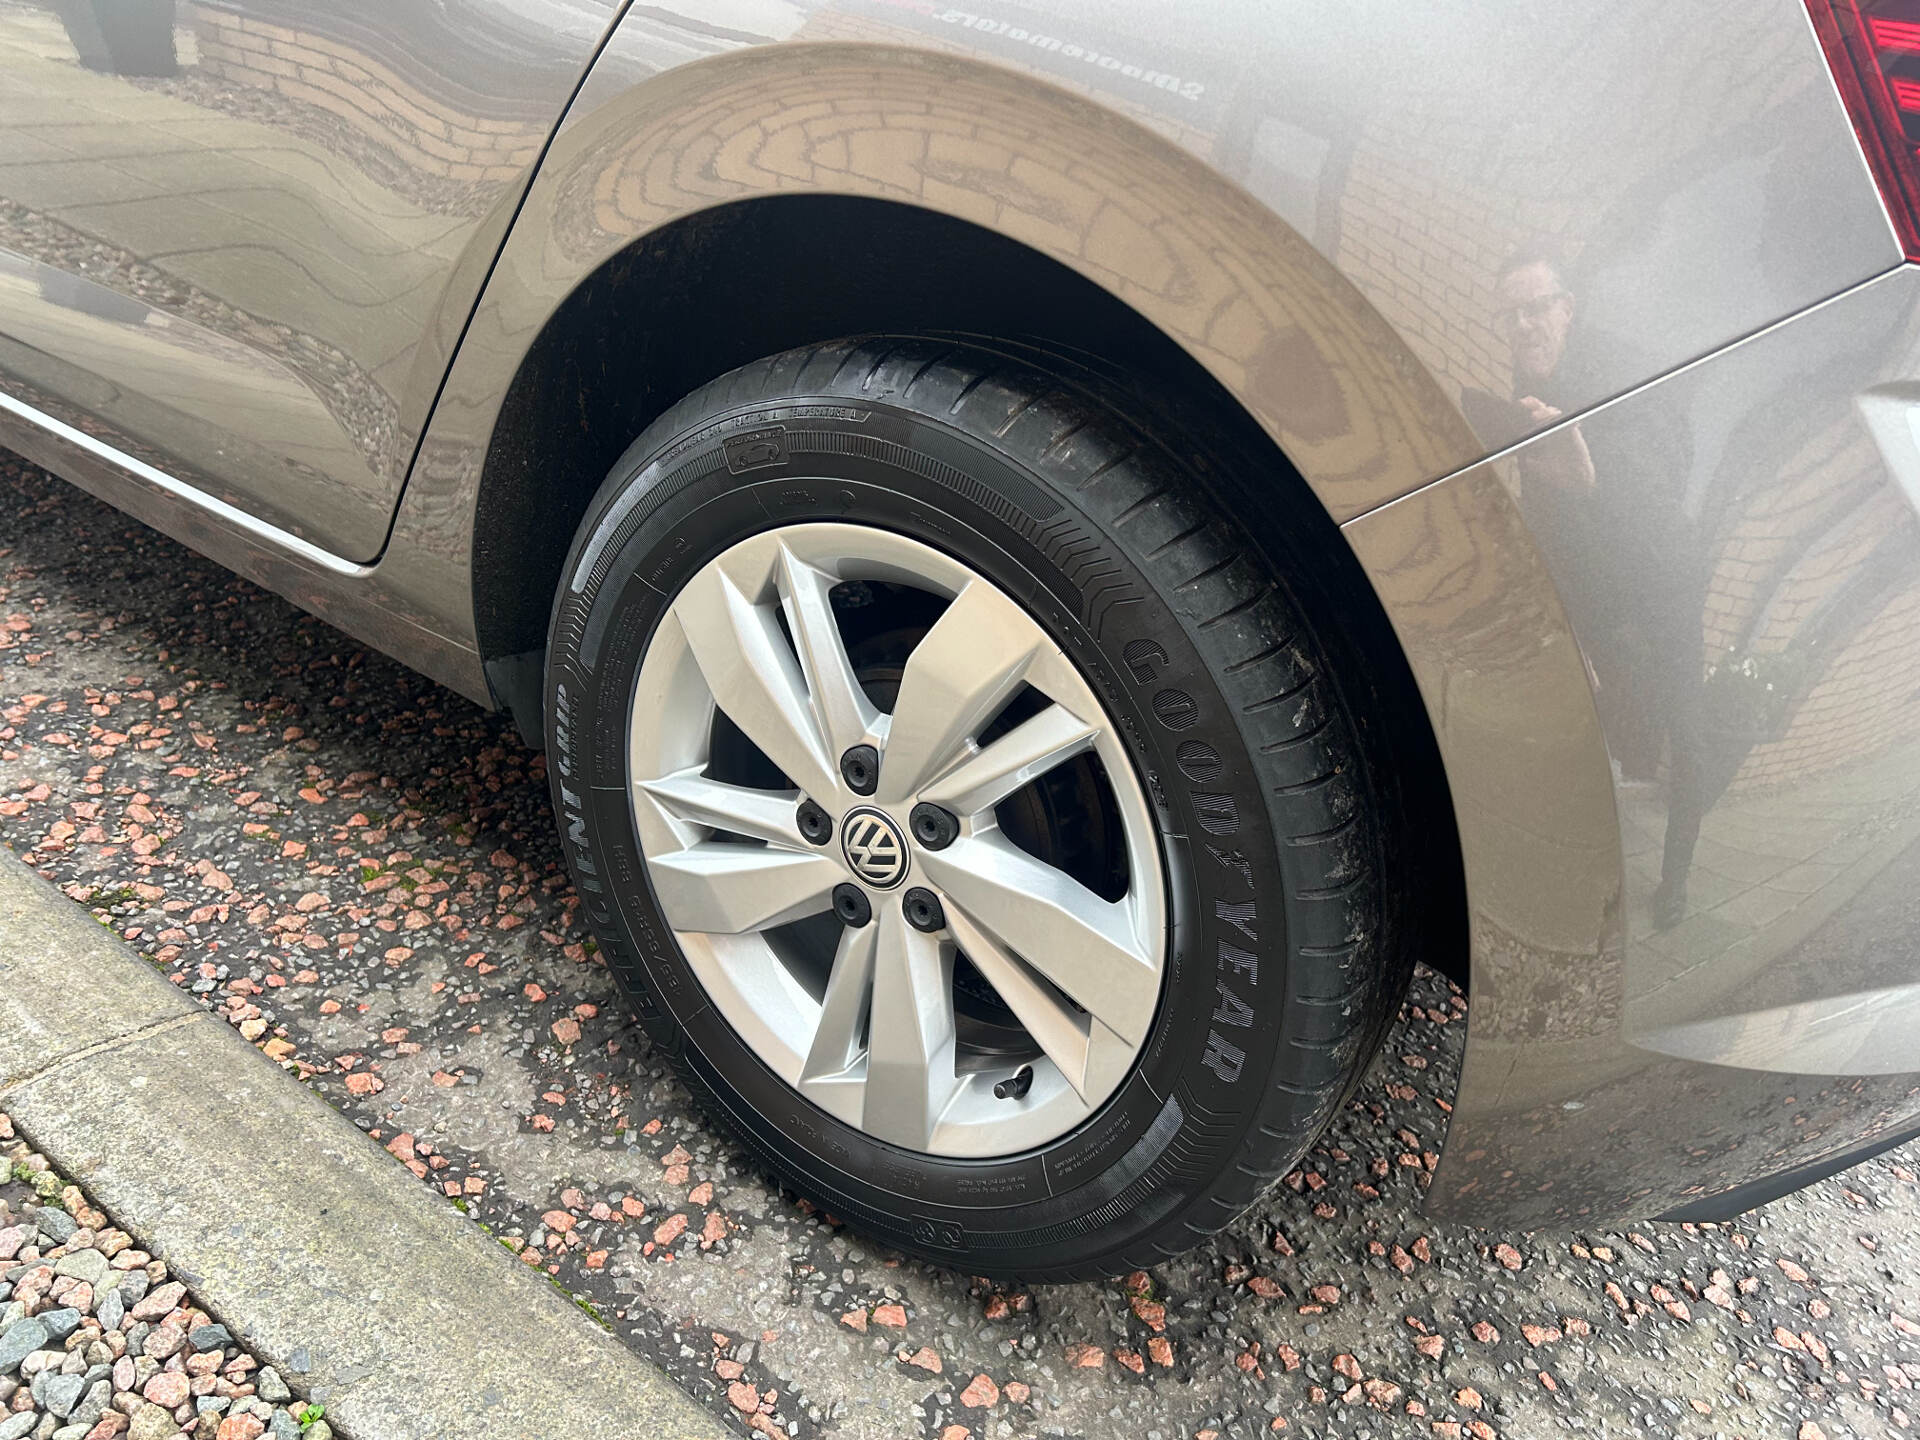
(98, 1340)
(357, 869)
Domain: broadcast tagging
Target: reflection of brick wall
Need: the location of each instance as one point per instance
(1861, 705)
(1428, 212)
(424, 132)
(836, 25)
(1432, 277)
(1776, 527)
(1798, 548)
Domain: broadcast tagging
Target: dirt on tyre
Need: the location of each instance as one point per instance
(966, 807)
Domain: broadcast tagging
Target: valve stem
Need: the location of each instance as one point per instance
(1016, 1087)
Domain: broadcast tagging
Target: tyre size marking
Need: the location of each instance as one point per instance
(1219, 815)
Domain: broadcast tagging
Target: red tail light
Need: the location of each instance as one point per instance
(1874, 49)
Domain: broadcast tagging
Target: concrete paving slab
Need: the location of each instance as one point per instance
(88, 998)
(293, 1227)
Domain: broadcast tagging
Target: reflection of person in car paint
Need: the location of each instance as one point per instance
(1594, 502)
(1535, 316)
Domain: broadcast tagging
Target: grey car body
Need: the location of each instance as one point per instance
(1588, 327)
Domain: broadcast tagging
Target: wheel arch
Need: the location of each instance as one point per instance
(657, 249)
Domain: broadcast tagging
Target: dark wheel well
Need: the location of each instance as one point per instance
(716, 290)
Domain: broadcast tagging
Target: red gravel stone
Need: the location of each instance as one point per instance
(981, 1393)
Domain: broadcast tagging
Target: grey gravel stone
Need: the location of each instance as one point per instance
(133, 1288)
(71, 1431)
(62, 1393)
(87, 1265)
(110, 1311)
(21, 1341)
(55, 1224)
(209, 1337)
(282, 1427)
(94, 1404)
(17, 1425)
(270, 1387)
(60, 1323)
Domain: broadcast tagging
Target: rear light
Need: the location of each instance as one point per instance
(1874, 49)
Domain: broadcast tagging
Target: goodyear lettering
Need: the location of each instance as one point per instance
(1231, 1010)
(1223, 1057)
(1240, 962)
(1241, 916)
(1235, 861)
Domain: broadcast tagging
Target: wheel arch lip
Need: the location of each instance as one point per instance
(1334, 386)
(1474, 603)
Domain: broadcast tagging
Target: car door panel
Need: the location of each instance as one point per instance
(245, 261)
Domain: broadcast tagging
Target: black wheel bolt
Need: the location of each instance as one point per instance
(860, 768)
(933, 827)
(816, 826)
(923, 909)
(850, 903)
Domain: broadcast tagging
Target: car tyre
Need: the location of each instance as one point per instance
(1226, 747)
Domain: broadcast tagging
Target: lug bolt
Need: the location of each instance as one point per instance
(816, 826)
(933, 827)
(860, 768)
(850, 903)
(923, 909)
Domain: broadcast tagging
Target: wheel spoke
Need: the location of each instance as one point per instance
(841, 1036)
(910, 1059)
(960, 675)
(841, 710)
(1083, 944)
(1056, 1026)
(1090, 1054)
(727, 889)
(754, 677)
(1024, 753)
(693, 799)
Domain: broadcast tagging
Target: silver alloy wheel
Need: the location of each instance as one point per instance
(874, 1040)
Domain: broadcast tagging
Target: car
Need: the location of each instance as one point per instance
(1055, 551)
